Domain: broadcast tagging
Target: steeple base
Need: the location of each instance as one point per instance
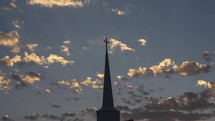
(108, 115)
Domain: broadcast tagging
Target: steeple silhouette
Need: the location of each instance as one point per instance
(107, 111)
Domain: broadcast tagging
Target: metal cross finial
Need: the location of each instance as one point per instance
(106, 41)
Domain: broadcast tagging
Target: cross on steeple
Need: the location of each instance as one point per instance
(106, 41)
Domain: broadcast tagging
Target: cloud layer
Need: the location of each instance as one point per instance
(52, 3)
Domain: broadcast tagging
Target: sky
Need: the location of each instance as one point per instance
(161, 55)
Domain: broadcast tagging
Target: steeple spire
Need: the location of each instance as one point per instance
(107, 111)
(107, 91)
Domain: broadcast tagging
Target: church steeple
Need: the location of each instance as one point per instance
(107, 111)
(107, 90)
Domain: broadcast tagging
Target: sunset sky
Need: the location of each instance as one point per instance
(161, 52)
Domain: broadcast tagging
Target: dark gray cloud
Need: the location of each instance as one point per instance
(62, 117)
(54, 105)
(186, 102)
(206, 56)
(184, 108)
(6, 118)
(140, 114)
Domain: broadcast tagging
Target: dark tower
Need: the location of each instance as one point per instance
(107, 111)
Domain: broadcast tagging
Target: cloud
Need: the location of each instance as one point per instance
(16, 24)
(168, 66)
(32, 47)
(206, 56)
(74, 85)
(62, 117)
(60, 3)
(141, 114)
(28, 78)
(4, 82)
(191, 68)
(66, 42)
(123, 47)
(32, 58)
(170, 109)
(186, 102)
(13, 4)
(95, 84)
(209, 92)
(54, 105)
(204, 83)
(163, 67)
(118, 12)
(65, 50)
(122, 78)
(55, 58)
(9, 62)
(10, 39)
(49, 91)
(142, 41)
(6, 118)
(34, 116)
(100, 75)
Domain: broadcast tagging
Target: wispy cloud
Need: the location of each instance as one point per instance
(32, 47)
(65, 50)
(52, 3)
(142, 41)
(118, 12)
(4, 82)
(122, 78)
(16, 23)
(27, 78)
(73, 85)
(10, 39)
(116, 43)
(96, 84)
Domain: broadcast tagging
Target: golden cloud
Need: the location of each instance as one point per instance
(118, 12)
(10, 39)
(167, 67)
(65, 50)
(32, 47)
(96, 84)
(62, 3)
(33, 58)
(4, 82)
(74, 85)
(7, 61)
(204, 83)
(123, 47)
(142, 41)
(100, 75)
(55, 58)
(190, 68)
